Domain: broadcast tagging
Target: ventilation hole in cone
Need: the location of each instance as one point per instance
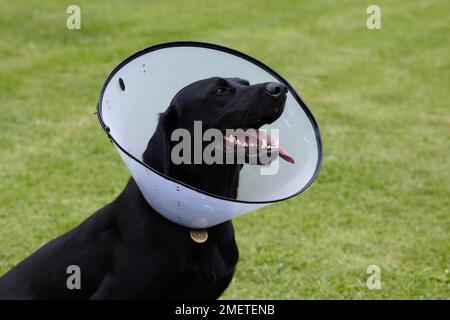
(122, 84)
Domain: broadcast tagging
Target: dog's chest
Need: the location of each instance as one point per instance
(208, 270)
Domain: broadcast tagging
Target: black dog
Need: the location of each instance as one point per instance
(126, 250)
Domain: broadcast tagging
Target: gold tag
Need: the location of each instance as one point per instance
(199, 236)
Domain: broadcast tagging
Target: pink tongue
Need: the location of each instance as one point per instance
(281, 151)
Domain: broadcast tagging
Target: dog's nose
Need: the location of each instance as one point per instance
(276, 89)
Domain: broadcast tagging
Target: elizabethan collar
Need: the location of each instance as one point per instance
(143, 85)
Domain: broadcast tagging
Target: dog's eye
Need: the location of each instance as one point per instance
(220, 91)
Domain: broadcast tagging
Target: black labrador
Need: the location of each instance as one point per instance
(126, 250)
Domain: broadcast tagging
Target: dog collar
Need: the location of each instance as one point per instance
(142, 86)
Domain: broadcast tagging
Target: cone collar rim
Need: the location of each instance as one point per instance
(238, 54)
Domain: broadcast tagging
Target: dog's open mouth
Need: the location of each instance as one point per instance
(255, 142)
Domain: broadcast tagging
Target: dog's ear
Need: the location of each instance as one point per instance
(157, 153)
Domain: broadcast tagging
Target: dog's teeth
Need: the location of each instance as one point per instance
(230, 138)
(263, 144)
(277, 142)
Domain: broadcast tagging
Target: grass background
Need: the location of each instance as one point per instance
(381, 99)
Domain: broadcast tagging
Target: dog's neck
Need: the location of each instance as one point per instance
(218, 179)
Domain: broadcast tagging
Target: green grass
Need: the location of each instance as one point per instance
(381, 99)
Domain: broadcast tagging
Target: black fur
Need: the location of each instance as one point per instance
(126, 250)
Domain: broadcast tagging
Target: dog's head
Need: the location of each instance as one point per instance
(229, 103)
(218, 103)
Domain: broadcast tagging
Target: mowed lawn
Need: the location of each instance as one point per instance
(381, 98)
